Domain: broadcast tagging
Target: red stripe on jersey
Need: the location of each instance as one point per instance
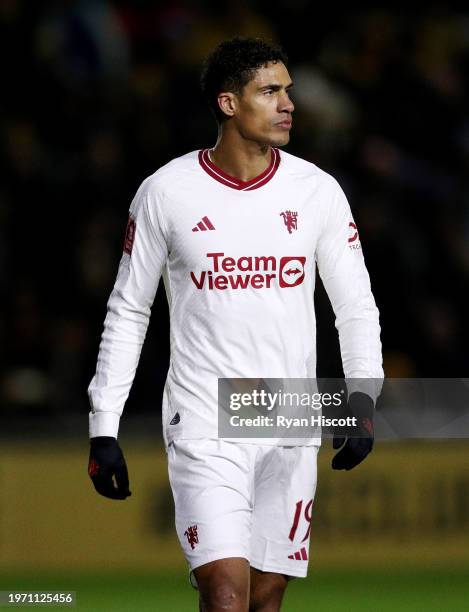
(201, 226)
(297, 556)
(208, 223)
(304, 554)
(235, 183)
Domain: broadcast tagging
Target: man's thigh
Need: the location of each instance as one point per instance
(284, 489)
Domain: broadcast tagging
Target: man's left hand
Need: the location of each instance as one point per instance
(355, 449)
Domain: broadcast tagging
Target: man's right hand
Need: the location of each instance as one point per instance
(107, 461)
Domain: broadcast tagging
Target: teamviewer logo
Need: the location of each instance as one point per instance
(292, 271)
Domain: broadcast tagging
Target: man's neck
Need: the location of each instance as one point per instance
(243, 159)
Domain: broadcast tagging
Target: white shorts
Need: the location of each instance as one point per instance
(244, 500)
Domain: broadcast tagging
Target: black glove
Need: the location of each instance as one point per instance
(107, 460)
(355, 448)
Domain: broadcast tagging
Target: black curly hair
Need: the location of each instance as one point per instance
(232, 64)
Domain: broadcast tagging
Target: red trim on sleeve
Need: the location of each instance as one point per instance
(231, 181)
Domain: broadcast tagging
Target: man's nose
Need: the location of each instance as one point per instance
(285, 104)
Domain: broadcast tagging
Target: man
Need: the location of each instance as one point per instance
(236, 232)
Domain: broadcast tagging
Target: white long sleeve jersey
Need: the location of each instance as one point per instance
(238, 261)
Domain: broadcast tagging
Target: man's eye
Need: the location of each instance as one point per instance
(268, 91)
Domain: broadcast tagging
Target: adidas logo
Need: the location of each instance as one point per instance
(203, 225)
(301, 555)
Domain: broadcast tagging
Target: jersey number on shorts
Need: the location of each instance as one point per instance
(296, 520)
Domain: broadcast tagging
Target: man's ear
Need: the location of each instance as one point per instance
(227, 103)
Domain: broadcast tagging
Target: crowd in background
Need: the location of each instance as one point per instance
(97, 95)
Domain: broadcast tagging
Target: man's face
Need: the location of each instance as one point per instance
(263, 110)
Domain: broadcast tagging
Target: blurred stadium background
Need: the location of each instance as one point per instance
(96, 95)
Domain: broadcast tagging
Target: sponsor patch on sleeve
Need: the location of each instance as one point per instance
(129, 235)
(353, 239)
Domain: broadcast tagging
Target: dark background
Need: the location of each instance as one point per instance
(97, 95)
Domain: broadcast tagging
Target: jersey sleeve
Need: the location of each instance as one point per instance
(341, 266)
(128, 312)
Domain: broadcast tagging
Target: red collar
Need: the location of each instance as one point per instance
(231, 181)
